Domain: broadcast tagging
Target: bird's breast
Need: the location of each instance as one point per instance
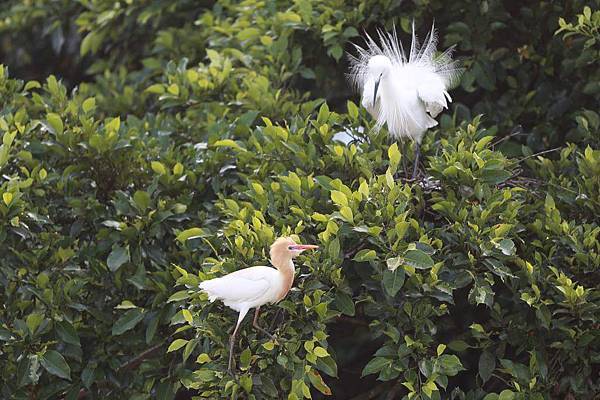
(286, 282)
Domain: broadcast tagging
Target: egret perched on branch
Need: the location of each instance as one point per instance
(407, 93)
(255, 286)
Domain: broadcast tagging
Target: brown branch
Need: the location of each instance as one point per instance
(519, 161)
(355, 250)
(136, 361)
(129, 365)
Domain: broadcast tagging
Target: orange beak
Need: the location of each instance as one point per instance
(303, 247)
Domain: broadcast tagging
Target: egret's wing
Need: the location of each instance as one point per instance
(432, 92)
(240, 286)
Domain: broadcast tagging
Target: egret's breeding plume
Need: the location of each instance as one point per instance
(404, 92)
(255, 286)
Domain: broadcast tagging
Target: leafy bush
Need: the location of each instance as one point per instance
(184, 137)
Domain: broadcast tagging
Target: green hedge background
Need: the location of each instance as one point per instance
(149, 145)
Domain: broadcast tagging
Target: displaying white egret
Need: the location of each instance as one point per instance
(407, 93)
(255, 286)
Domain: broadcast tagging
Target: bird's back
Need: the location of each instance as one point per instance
(248, 287)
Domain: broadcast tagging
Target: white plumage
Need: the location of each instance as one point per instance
(245, 289)
(406, 93)
(256, 286)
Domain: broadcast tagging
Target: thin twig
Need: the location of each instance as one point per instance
(536, 154)
(355, 250)
(136, 361)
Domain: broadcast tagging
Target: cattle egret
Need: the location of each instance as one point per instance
(255, 286)
(407, 93)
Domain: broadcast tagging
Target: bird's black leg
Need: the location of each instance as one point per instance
(255, 324)
(417, 156)
(403, 163)
(274, 320)
(231, 347)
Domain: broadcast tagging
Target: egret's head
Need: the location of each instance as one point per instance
(378, 68)
(286, 248)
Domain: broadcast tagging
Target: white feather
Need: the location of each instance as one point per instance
(413, 89)
(246, 288)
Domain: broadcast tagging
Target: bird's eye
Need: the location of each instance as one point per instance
(290, 248)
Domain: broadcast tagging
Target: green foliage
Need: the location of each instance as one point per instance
(201, 133)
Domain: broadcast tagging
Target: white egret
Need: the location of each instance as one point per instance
(256, 286)
(407, 93)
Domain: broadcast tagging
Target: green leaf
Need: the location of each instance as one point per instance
(317, 381)
(375, 365)
(418, 259)
(55, 123)
(179, 296)
(345, 304)
(320, 352)
(55, 364)
(187, 315)
(245, 358)
(393, 281)
(88, 105)
(339, 198)
(34, 320)
(228, 143)
(365, 255)
(141, 200)
(494, 176)
(352, 110)
(158, 167)
(157, 88)
(191, 233)
(487, 364)
(336, 52)
(7, 197)
(117, 257)
(506, 395)
(458, 345)
(394, 155)
(176, 345)
(440, 349)
(449, 365)
(189, 347)
(127, 321)
(67, 333)
(491, 396)
(327, 365)
(269, 345)
(346, 213)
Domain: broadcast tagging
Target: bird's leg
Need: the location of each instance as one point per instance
(404, 165)
(255, 324)
(243, 313)
(231, 347)
(274, 320)
(417, 156)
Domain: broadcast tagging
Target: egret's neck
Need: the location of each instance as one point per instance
(285, 266)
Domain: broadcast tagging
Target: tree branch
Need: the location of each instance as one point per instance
(136, 361)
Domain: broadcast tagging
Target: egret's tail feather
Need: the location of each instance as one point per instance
(210, 288)
(420, 55)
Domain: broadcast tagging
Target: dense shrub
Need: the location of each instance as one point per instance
(149, 145)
